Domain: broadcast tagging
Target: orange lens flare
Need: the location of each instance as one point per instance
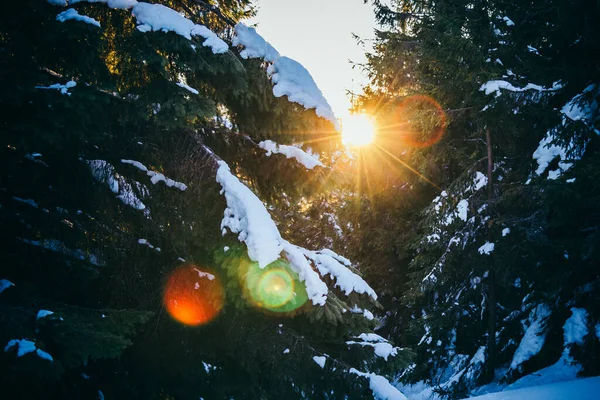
(193, 295)
(419, 121)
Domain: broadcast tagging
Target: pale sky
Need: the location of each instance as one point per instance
(318, 34)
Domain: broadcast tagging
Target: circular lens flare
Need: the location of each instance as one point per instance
(421, 121)
(358, 130)
(276, 288)
(193, 296)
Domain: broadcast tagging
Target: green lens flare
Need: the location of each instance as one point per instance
(275, 288)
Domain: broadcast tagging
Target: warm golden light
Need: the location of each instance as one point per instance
(358, 130)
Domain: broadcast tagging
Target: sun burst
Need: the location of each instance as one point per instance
(358, 130)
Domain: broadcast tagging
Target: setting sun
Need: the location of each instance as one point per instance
(358, 130)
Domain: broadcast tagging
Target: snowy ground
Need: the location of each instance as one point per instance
(577, 389)
(581, 389)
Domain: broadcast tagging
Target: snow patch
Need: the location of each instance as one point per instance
(5, 284)
(320, 360)
(534, 338)
(43, 314)
(486, 249)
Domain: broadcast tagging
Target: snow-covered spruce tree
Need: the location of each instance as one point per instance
(502, 272)
(138, 138)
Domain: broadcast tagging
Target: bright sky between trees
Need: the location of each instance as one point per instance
(318, 34)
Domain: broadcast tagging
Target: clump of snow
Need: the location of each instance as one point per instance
(255, 46)
(208, 367)
(72, 14)
(156, 177)
(486, 249)
(202, 274)
(382, 388)
(5, 284)
(308, 160)
(24, 346)
(64, 89)
(288, 76)
(462, 209)
(534, 338)
(43, 355)
(291, 79)
(546, 152)
(580, 109)
(434, 238)
(479, 181)
(320, 360)
(156, 17)
(286, 351)
(508, 21)
(366, 313)
(505, 231)
(43, 314)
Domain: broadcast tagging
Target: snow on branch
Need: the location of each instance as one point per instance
(156, 177)
(288, 76)
(247, 216)
(156, 17)
(255, 46)
(496, 86)
(577, 109)
(105, 173)
(72, 14)
(381, 347)
(308, 160)
(64, 89)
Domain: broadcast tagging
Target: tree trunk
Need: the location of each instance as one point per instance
(491, 280)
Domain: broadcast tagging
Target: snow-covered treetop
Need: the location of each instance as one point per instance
(289, 77)
(156, 17)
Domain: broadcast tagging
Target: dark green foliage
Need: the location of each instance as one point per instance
(73, 215)
(447, 50)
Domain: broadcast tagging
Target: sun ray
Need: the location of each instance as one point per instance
(408, 167)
